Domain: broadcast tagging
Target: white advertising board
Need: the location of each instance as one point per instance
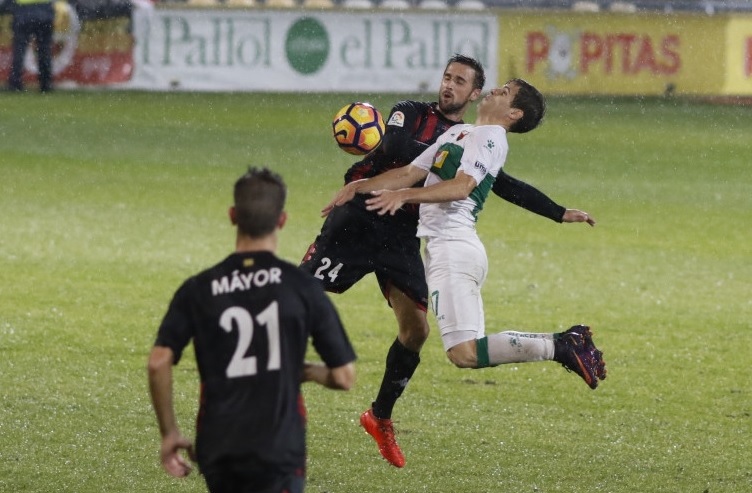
(290, 51)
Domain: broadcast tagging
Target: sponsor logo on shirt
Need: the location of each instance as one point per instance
(481, 166)
(397, 119)
(490, 144)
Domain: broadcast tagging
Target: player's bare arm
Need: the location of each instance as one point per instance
(393, 179)
(389, 202)
(160, 387)
(339, 378)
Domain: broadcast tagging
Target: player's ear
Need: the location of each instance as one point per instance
(475, 94)
(282, 220)
(515, 114)
(233, 214)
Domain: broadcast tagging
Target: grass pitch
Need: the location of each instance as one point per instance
(109, 200)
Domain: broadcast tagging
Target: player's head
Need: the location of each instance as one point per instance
(480, 74)
(259, 202)
(531, 102)
(462, 82)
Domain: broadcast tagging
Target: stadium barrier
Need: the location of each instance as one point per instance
(385, 50)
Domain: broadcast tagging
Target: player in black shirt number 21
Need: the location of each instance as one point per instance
(354, 242)
(250, 318)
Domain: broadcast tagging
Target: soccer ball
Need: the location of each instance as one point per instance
(358, 128)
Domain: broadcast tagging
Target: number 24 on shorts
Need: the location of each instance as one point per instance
(326, 263)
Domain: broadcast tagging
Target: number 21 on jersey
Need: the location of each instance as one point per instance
(236, 316)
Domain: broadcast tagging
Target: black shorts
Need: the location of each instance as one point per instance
(240, 476)
(354, 242)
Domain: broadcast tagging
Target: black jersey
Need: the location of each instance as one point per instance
(250, 317)
(411, 127)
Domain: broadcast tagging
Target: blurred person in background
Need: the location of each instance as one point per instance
(32, 19)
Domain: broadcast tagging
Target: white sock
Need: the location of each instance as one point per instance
(519, 347)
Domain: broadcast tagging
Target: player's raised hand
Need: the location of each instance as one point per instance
(577, 216)
(385, 201)
(173, 460)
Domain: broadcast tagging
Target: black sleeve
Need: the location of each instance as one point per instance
(399, 142)
(176, 329)
(527, 196)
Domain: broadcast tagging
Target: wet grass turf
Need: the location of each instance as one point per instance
(110, 199)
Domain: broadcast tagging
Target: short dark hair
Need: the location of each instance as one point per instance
(259, 201)
(531, 102)
(480, 73)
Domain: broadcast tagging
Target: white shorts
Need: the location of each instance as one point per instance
(455, 271)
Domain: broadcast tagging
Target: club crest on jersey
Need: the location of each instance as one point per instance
(397, 119)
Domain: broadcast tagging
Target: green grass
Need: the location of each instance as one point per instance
(108, 200)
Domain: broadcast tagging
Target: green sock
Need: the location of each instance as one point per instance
(482, 352)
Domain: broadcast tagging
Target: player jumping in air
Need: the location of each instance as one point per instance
(458, 171)
(354, 242)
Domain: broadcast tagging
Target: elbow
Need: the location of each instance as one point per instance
(343, 378)
(464, 186)
(160, 359)
(153, 367)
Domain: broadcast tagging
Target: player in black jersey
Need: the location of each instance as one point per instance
(354, 242)
(250, 318)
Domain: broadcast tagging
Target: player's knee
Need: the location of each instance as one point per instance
(463, 355)
(413, 329)
(420, 331)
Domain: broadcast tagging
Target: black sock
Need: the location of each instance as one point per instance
(400, 366)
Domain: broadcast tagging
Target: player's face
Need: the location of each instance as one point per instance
(498, 102)
(457, 90)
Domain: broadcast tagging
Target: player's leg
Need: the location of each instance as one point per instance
(402, 360)
(402, 280)
(455, 271)
(21, 38)
(403, 357)
(43, 34)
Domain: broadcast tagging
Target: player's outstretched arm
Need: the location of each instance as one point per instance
(528, 197)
